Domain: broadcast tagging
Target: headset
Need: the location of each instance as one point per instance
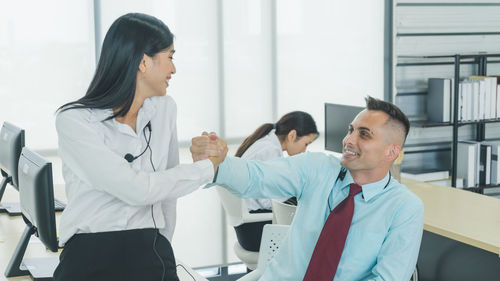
(130, 158)
(341, 176)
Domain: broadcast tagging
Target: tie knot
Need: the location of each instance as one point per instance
(354, 189)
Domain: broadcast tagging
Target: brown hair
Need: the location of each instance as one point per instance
(300, 121)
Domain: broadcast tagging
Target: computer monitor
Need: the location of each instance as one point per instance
(11, 144)
(36, 194)
(337, 120)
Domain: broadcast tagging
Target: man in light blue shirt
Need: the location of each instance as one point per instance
(386, 229)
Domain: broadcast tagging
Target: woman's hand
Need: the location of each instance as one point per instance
(208, 146)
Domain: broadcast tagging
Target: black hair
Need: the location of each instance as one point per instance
(127, 40)
(300, 121)
(395, 114)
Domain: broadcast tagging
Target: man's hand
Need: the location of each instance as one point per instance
(216, 160)
(209, 146)
(205, 146)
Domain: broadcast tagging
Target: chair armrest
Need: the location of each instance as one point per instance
(252, 276)
(257, 217)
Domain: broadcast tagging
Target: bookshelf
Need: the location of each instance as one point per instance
(481, 60)
(451, 39)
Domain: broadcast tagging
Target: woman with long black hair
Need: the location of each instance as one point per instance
(119, 149)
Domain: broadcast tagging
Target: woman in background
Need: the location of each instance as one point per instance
(118, 145)
(292, 133)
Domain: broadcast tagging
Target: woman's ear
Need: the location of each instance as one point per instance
(142, 64)
(292, 136)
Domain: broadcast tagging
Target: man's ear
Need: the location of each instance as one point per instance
(292, 136)
(393, 152)
(143, 63)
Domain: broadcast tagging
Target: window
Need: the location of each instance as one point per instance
(46, 59)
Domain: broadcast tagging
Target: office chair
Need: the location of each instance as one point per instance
(237, 214)
(414, 276)
(282, 213)
(272, 236)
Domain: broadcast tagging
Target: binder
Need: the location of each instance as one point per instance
(483, 88)
(485, 164)
(495, 167)
(468, 162)
(439, 100)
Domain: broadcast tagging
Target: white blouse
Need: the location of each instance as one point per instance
(265, 148)
(104, 191)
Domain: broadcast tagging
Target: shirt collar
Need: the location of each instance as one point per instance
(145, 114)
(98, 115)
(369, 190)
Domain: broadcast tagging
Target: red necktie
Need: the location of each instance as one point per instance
(331, 241)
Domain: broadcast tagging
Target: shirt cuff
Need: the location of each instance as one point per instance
(206, 170)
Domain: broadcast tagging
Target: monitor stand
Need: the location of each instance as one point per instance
(10, 207)
(39, 268)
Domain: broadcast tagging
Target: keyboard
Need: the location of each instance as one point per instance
(14, 209)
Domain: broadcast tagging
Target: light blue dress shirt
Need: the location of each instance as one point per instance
(386, 229)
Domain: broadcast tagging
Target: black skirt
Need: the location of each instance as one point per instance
(117, 255)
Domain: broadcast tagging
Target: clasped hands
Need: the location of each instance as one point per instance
(208, 146)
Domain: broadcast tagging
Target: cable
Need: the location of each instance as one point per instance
(151, 158)
(129, 157)
(157, 232)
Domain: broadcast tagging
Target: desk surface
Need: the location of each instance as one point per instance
(461, 215)
(11, 228)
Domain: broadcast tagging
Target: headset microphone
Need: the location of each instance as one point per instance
(341, 176)
(129, 157)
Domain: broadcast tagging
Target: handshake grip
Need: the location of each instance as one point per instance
(209, 146)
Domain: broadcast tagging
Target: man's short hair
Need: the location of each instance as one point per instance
(395, 114)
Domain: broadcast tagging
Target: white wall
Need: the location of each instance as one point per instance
(46, 59)
(326, 51)
(329, 51)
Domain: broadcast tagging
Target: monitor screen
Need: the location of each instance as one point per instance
(11, 143)
(36, 194)
(337, 120)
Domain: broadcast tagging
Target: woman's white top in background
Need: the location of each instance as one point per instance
(104, 191)
(265, 148)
